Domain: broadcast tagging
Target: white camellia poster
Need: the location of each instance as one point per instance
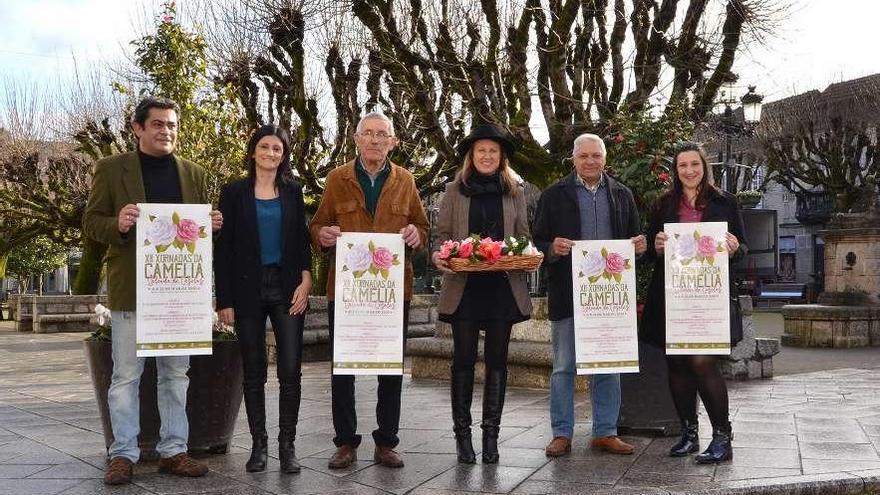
(604, 293)
(697, 288)
(368, 308)
(175, 313)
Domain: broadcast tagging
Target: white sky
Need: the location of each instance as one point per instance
(822, 41)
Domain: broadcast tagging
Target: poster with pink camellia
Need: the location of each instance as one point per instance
(368, 308)
(697, 288)
(604, 297)
(174, 279)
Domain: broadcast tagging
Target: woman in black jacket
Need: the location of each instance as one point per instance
(262, 263)
(693, 198)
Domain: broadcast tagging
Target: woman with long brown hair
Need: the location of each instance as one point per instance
(694, 198)
(263, 267)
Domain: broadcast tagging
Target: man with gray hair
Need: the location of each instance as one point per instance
(369, 194)
(585, 204)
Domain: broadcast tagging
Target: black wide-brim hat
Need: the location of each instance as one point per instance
(488, 131)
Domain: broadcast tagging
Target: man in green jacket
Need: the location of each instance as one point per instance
(152, 174)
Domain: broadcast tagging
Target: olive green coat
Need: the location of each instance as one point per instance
(118, 181)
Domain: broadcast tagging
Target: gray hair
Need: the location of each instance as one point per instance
(375, 116)
(580, 140)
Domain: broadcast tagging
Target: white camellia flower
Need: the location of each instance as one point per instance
(102, 315)
(593, 264)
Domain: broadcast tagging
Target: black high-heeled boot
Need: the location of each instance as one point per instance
(719, 450)
(255, 405)
(288, 416)
(493, 406)
(461, 391)
(689, 442)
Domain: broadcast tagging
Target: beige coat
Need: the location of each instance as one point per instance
(453, 224)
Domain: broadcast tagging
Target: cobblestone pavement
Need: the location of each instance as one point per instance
(802, 433)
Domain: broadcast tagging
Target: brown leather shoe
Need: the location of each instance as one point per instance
(118, 471)
(344, 456)
(612, 444)
(387, 457)
(182, 465)
(558, 447)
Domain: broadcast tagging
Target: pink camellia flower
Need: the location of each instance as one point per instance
(614, 263)
(382, 258)
(466, 249)
(162, 231)
(447, 248)
(187, 231)
(489, 250)
(706, 246)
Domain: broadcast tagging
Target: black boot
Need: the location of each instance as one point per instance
(255, 405)
(287, 454)
(493, 405)
(461, 391)
(288, 412)
(719, 449)
(690, 440)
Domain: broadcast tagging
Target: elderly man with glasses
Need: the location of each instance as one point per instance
(369, 194)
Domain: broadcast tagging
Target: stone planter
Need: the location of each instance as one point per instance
(213, 399)
(749, 201)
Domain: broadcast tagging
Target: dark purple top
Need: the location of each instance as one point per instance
(687, 213)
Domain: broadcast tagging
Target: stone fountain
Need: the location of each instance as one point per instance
(848, 311)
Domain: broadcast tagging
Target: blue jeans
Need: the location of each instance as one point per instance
(124, 400)
(604, 389)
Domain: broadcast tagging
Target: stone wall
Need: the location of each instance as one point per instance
(530, 359)
(22, 306)
(316, 334)
(752, 357)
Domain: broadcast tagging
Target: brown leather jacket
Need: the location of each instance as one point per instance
(343, 204)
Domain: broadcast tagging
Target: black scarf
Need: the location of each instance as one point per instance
(479, 185)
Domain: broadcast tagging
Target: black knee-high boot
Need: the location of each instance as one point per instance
(461, 390)
(255, 405)
(493, 406)
(288, 412)
(719, 449)
(690, 440)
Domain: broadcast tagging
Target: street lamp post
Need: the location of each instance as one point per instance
(751, 106)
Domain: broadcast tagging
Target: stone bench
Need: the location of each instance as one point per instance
(72, 322)
(52, 314)
(776, 295)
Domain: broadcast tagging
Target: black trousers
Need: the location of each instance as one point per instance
(466, 336)
(387, 407)
(288, 339)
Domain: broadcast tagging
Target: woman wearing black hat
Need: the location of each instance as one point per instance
(485, 198)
